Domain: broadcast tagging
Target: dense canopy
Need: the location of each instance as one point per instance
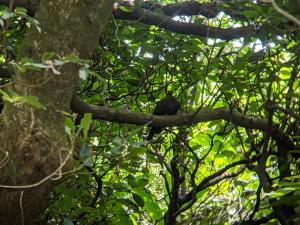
(79, 83)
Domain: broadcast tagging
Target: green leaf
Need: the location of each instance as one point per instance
(133, 219)
(86, 155)
(69, 125)
(6, 96)
(159, 11)
(153, 209)
(117, 150)
(117, 141)
(125, 9)
(86, 122)
(83, 73)
(142, 182)
(285, 73)
(29, 100)
(6, 14)
(129, 203)
(20, 11)
(35, 65)
(138, 199)
(23, 13)
(131, 180)
(133, 152)
(250, 13)
(227, 153)
(68, 222)
(75, 59)
(281, 192)
(138, 6)
(49, 55)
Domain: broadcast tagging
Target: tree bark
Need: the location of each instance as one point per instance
(35, 139)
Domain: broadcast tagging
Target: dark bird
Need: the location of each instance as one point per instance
(167, 106)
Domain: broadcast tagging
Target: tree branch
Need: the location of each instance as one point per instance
(181, 119)
(217, 177)
(165, 22)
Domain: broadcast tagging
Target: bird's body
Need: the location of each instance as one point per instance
(167, 106)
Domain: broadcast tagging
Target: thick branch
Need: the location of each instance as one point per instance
(185, 9)
(165, 22)
(181, 119)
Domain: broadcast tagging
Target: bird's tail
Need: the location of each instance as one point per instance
(151, 134)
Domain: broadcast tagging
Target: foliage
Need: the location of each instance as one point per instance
(135, 64)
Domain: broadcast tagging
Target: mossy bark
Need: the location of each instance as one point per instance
(35, 138)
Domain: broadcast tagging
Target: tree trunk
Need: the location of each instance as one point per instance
(35, 139)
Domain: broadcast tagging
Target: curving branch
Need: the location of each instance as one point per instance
(164, 21)
(190, 8)
(181, 119)
(217, 177)
(167, 23)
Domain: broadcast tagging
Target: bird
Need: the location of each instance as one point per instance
(167, 106)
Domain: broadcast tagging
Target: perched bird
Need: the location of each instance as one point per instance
(167, 106)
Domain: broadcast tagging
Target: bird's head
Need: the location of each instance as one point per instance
(169, 93)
